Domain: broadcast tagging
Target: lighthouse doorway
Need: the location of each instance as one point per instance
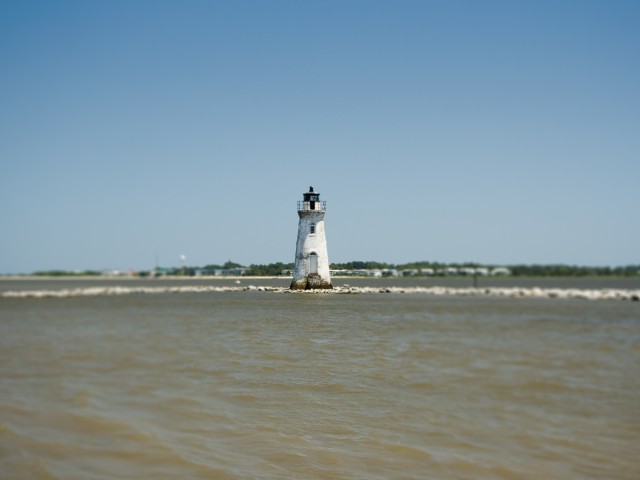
(313, 262)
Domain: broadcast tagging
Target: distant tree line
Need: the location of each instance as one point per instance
(359, 265)
(573, 271)
(254, 270)
(553, 270)
(276, 269)
(270, 270)
(65, 273)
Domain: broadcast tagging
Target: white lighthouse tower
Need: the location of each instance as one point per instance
(311, 269)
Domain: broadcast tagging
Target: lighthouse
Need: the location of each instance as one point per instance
(311, 270)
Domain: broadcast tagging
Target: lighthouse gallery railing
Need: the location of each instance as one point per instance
(319, 205)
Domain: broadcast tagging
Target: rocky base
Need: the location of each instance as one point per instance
(301, 288)
(312, 282)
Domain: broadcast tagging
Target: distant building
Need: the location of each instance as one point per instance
(410, 272)
(500, 271)
(235, 272)
(232, 272)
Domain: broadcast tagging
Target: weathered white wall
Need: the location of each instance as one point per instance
(307, 243)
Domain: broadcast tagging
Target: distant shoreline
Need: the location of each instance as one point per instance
(285, 277)
(355, 269)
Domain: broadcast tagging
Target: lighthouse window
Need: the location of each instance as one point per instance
(312, 229)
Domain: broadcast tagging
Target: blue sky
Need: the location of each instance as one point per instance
(499, 132)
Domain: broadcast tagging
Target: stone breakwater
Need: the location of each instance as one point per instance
(510, 292)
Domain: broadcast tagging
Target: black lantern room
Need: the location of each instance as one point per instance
(311, 201)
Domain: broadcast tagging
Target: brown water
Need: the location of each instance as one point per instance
(268, 386)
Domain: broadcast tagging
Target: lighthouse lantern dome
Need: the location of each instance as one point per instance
(311, 201)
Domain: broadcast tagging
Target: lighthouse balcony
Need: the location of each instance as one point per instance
(304, 206)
